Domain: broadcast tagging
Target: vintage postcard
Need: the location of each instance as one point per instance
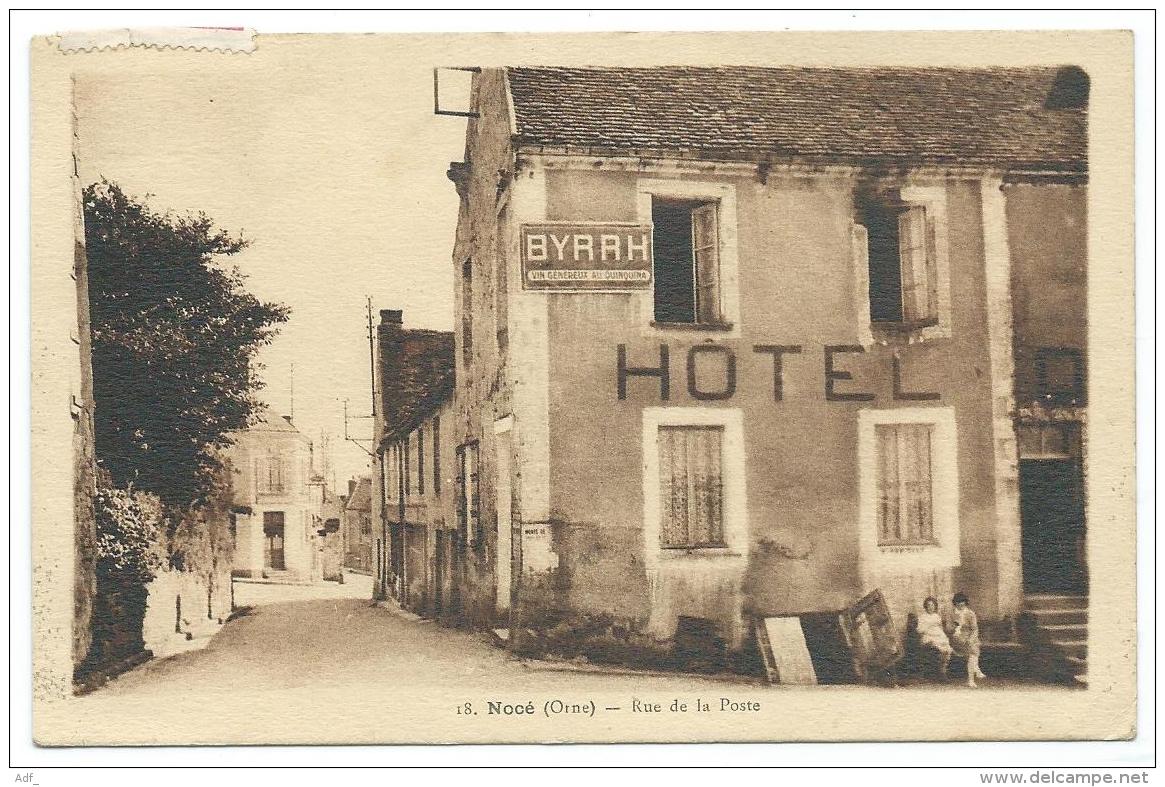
(582, 387)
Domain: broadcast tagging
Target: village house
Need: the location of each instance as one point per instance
(733, 343)
(356, 525)
(413, 548)
(277, 503)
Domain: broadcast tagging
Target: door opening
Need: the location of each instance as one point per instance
(273, 531)
(1051, 506)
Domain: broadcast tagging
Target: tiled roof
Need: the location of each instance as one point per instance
(426, 378)
(998, 117)
(273, 424)
(361, 499)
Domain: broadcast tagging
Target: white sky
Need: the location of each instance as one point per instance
(323, 169)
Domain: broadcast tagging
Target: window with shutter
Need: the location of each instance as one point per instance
(399, 469)
(905, 487)
(468, 494)
(462, 508)
(691, 487)
(407, 473)
(706, 260)
(274, 472)
(686, 252)
(900, 258)
(385, 478)
(420, 461)
(916, 256)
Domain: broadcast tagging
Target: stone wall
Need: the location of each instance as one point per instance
(181, 603)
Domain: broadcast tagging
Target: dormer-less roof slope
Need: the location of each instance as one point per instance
(361, 499)
(1030, 119)
(426, 378)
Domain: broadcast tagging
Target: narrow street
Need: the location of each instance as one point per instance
(343, 670)
(328, 669)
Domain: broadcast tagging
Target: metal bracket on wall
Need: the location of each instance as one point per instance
(437, 92)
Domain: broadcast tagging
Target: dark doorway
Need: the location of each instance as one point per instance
(440, 571)
(396, 551)
(1052, 515)
(273, 535)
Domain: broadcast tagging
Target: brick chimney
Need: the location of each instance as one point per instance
(351, 487)
(390, 353)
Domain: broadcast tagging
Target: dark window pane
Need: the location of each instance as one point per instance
(675, 286)
(885, 267)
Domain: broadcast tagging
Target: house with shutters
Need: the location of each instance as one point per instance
(741, 342)
(276, 503)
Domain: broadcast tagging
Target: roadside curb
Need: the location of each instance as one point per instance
(540, 665)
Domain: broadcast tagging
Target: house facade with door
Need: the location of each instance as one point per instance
(276, 505)
(741, 342)
(356, 524)
(413, 483)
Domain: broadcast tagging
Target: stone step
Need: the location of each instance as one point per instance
(1045, 617)
(1038, 602)
(1079, 665)
(1071, 647)
(1065, 631)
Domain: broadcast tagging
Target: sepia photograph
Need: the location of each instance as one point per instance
(568, 388)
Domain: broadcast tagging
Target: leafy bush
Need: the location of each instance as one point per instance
(129, 525)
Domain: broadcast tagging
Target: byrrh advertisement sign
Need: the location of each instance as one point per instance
(584, 256)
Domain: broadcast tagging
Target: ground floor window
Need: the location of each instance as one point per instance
(691, 486)
(905, 493)
(468, 496)
(909, 490)
(694, 491)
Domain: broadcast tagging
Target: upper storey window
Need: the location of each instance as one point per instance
(686, 240)
(903, 278)
(899, 240)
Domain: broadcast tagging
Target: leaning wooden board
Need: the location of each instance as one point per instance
(785, 654)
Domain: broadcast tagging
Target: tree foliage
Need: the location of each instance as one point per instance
(129, 526)
(175, 334)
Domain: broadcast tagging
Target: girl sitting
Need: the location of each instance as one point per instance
(931, 633)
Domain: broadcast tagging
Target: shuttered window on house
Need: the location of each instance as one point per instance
(468, 495)
(686, 261)
(705, 247)
(274, 472)
(916, 255)
(385, 478)
(905, 491)
(901, 258)
(399, 464)
(420, 461)
(691, 487)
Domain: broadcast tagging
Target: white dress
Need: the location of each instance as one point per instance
(931, 633)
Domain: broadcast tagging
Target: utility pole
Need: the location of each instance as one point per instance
(291, 415)
(372, 358)
(372, 378)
